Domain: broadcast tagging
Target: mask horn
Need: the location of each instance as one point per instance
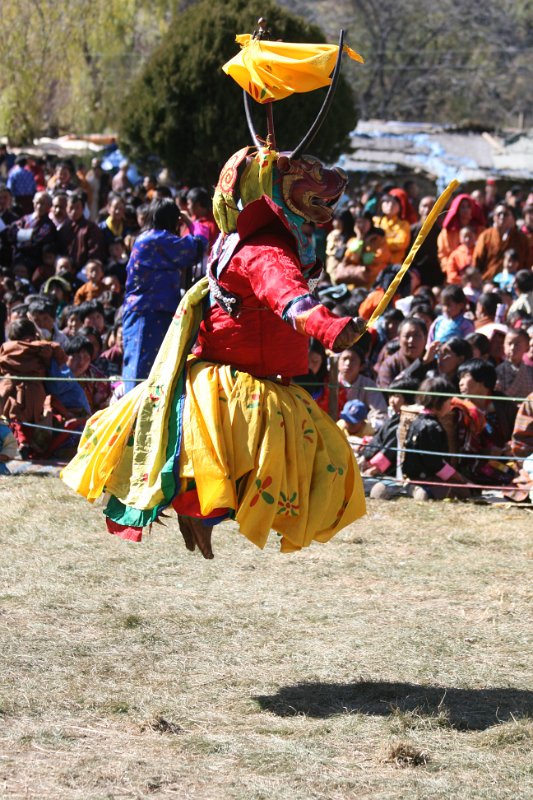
(249, 120)
(322, 114)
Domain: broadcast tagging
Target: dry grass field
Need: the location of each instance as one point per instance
(394, 662)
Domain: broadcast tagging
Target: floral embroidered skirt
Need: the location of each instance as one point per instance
(213, 442)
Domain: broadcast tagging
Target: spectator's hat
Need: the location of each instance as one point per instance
(354, 411)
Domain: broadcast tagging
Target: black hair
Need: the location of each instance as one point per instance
(489, 303)
(459, 347)
(79, 196)
(400, 385)
(454, 293)
(524, 281)
(346, 219)
(393, 314)
(199, 195)
(480, 342)
(482, 372)
(78, 344)
(22, 329)
(418, 323)
(520, 332)
(89, 307)
(426, 396)
(359, 351)
(42, 306)
(164, 215)
(163, 192)
(422, 308)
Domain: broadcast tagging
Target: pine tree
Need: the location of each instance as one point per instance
(184, 109)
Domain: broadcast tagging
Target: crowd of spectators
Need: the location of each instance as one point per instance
(447, 370)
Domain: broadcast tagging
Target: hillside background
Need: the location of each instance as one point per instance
(66, 66)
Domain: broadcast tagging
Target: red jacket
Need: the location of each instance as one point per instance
(277, 313)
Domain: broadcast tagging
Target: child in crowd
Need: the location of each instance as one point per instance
(480, 345)
(472, 283)
(356, 385)
(353, 419)
(461, 258)
(25, 354)
(42, 314)
(80, 352)
(515, 378)
(505, 279)
(379, 456)
(425, 444)
(94, 286)
(452, 321)
(477, 380)
(523, 289)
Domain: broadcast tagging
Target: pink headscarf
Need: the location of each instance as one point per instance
(451, 220)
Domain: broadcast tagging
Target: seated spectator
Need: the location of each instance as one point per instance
(425, 443)
(94, 286)
(353, 419)
(521, 444)
(472, 284)
(336, 241)
(492, 244)
(386, 334)
(356, 385)
(46, 268)
(426, 260)
(110, 361)
(366, 254)
(505, 279)
(480, 345)
(87, 241)
(42, 313)
(423, 311)
(523, 289)
(461, 258)
(59, 291)
(69, 321)
(452, 321)
(515, 378)
(113, 226)
(477, 382)
(397, 230)
(25, 354)
(412, 335)
(441, 358)
(32, 232)
(92, 313)
(464, 212)
(80, 353)
(379, 456)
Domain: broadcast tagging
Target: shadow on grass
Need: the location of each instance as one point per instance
(464, 709)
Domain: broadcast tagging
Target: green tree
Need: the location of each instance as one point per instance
(185, 110)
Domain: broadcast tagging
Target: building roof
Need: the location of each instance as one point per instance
(439, 152)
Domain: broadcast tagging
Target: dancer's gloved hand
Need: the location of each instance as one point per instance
(196, 535)
(350, 334)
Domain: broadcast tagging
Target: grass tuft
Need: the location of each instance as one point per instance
(404, 754)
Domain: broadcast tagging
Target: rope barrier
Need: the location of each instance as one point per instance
(49, 428)
(384, 389)
(455, 455)
(114, 379)
(420, 482)
(444, 394)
